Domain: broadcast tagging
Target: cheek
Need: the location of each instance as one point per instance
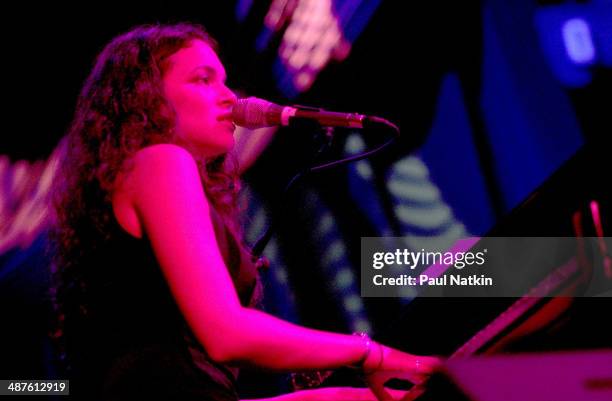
(190, 102)
(193, 109)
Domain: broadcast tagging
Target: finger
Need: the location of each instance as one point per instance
(377, 384)
(423, 365)
(413, 393)
(397, 395)
(403, 375)
(427, 364)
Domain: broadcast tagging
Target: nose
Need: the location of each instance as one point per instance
(229, 98)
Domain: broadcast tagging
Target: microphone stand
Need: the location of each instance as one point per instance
(323, 137)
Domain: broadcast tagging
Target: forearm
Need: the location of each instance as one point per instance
(268, 342)
(329, 394)
(283, 397)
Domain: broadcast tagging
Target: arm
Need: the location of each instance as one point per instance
(331, 394)
(171, 206)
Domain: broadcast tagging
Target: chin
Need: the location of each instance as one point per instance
(218, 148)
(228, 144)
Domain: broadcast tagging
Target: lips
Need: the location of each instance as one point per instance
(227, 119)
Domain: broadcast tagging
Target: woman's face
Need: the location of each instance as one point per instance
(194, 84)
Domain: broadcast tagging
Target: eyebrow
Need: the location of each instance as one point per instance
(211, 71)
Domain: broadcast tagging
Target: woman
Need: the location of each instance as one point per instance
(154, 287)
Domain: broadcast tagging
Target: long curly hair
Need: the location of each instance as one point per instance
(120, 110)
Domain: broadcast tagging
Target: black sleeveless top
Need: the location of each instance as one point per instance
(136, 342)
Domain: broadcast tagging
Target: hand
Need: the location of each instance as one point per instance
(394, 364)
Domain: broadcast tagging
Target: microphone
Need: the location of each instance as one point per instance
(255, 113)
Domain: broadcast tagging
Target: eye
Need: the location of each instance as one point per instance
(205, 79)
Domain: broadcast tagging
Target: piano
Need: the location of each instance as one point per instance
(575, 201)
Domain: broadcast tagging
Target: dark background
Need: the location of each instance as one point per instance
(469, 83)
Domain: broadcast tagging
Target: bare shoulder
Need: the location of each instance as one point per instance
(162, 166)
(158, 174)
(163, 155)
(163, 170)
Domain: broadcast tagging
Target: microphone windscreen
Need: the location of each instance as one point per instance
(252, 113)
